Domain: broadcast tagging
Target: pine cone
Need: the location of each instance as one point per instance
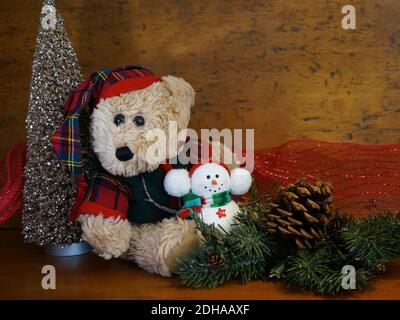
(380, 267)
(215, 260)
(335, 227)
(300, 211)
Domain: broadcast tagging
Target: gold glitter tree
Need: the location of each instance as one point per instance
(49, 191)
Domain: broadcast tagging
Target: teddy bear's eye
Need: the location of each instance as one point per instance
(208, 177)
(119, 118)
(138, 121)
(217, 175)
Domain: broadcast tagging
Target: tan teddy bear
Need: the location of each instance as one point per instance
(122, 206)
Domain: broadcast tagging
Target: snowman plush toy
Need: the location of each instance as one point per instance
(206, 190)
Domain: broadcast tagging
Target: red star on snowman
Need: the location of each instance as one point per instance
(221, 213)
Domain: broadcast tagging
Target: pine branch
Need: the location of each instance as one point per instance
(320, 270)
(252, 251)
(195, 271)
(249, 252)
(247, 241)
(375, 239)
(246, 250)
(306, 270)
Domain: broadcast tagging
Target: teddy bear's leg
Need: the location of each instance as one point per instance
(157, 247)
(109, 237)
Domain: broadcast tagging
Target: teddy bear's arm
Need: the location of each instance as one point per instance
(107, 195)
(103, 217)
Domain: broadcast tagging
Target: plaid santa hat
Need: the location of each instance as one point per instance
(105, 83)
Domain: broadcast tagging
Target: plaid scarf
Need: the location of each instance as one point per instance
(67, 140)
(193, 203)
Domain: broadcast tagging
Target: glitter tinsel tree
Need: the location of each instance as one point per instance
(49, 191)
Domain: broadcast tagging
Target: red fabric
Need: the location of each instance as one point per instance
(128, 85)
(95, 209)
(183, 214)
(365, 178)
(81, 187)
(11, 181)
(166, 167)
(110, 195)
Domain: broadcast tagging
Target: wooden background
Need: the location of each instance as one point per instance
(285, 68)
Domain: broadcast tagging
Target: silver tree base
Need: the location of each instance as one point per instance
(67, 250)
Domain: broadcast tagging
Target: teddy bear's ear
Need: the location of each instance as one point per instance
(240, 181)
(182, 93)
(177, 182)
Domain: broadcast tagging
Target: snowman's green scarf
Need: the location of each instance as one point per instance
(193, 203)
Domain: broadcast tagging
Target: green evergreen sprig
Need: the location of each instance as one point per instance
(374, 239)
(320, 271)
(248, 252)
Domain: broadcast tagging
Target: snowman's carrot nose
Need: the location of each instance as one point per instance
(214, 182)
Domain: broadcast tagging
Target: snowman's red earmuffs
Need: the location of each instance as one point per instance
(197, 165)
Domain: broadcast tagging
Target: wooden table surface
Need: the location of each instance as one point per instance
(90, 277)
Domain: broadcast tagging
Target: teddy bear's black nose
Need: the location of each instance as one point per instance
(124, 154)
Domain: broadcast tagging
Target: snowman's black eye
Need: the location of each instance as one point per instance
(208, 177)
(119, 119)
(217, 175)
(138, 121)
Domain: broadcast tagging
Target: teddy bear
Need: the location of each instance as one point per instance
(121, 203)
(206, 190)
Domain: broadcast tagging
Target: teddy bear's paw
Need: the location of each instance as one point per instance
(143, 249)
(179, 238)
(187, 244)
(109, 237)
(158, 248)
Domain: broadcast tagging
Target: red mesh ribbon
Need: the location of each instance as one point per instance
(365, 178)
(11, 181)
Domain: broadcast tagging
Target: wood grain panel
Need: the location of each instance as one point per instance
(287, 69)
